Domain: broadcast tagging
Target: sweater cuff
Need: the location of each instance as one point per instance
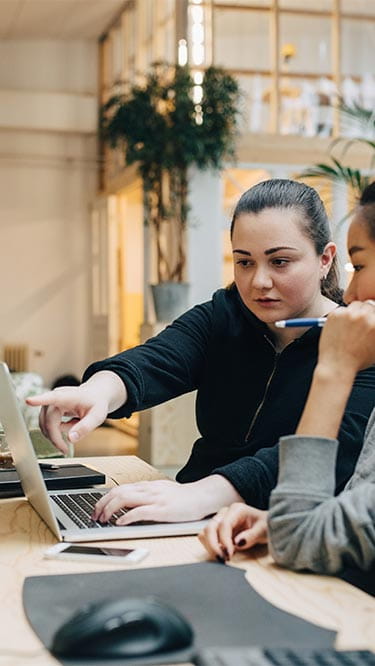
(250, 480)
(307, 462)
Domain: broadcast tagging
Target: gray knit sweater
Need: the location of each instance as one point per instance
(309, 528)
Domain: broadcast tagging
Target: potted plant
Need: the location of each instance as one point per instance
(165, 125)
(363, 120)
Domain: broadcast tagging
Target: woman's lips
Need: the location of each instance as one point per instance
(267, 302)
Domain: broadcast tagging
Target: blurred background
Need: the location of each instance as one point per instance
(77, 258)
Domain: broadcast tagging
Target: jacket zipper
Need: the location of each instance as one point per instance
(277, 356)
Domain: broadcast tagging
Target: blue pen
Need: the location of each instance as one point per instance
(291, 323)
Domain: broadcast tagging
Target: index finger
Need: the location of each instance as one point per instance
(208, 537)
(117, 494)
(48, 398)
(232, 520)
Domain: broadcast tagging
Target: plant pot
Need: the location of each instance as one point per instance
(171, 299)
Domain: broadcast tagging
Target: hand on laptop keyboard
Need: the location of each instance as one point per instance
(166, 501)
(79, 508)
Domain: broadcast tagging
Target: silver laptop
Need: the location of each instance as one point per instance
(67, 513)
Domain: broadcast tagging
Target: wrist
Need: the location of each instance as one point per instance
(340, 374)
(216, 492)
(326, 402)
(108, 384)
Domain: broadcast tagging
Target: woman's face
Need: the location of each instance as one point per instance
(276, 268)
(361, 248)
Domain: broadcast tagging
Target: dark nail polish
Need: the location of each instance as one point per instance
(226, 554)
(241, 543)
(220, 559)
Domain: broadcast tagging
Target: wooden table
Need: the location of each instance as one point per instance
(24, 537)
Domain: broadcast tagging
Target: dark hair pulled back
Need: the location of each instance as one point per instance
(367, 208)
(289, 194)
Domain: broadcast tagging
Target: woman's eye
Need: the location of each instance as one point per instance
(357, 268)
(244, 262)
(280, 262)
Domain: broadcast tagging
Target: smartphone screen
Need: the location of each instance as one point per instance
(96, 553)
(95, 550)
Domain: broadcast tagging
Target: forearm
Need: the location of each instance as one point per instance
(166, 366)
(215, 492)
(109, 384)
(325, 405)
(308, 527)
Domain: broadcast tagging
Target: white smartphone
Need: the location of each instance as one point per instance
(69, 551)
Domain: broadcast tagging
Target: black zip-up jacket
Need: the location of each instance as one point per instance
(248, 394)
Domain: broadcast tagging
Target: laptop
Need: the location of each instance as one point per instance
(67, 513)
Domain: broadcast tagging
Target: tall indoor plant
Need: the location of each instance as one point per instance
(362, 123)
(166, 125)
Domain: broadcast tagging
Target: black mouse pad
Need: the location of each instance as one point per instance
(217, 600)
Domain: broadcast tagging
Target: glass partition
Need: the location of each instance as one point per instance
(307, 5)
(305, 51)
(358, 7)
(359, 58)
(242, 40)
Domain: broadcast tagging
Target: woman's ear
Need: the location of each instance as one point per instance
(326, 258)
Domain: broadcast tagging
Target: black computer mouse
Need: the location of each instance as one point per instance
(128, 627)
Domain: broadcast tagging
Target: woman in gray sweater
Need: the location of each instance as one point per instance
(309, 528)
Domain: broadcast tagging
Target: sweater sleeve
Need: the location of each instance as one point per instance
(165, 366)
(308, 527)
(255, 476)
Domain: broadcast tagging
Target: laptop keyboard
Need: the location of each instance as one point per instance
(79, 508)
(256, 656)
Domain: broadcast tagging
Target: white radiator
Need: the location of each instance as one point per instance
(16, 357)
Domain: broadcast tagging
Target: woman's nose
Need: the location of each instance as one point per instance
(262, 279)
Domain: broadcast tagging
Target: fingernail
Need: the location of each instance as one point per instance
(74, 437)
(226, 554)
(220, 559)
(241, 542)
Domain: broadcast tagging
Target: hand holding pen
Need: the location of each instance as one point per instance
(348, 342)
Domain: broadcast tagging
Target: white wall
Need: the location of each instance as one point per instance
(204, 235)
(47, 179)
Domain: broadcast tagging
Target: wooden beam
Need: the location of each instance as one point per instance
(275, 68)
(336, 60)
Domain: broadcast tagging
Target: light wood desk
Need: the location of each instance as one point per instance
(24, 537)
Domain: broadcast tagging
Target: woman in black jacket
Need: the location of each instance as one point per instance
(252, 378)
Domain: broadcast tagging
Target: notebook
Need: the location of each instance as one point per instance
(60, 477)
(68, 513)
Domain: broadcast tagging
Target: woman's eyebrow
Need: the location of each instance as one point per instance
(280, 247)
(270, 251)
(355, 248)
(243, 252)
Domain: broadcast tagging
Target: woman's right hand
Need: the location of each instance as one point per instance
(83, 408)
(347, 343)
(238, 527)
